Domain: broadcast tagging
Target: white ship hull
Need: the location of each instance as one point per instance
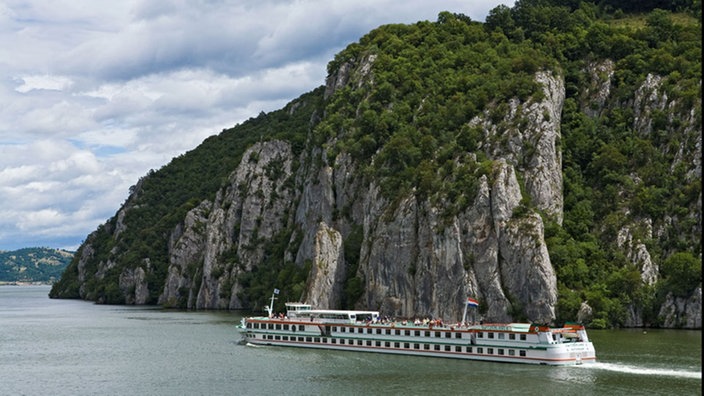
(510, 343)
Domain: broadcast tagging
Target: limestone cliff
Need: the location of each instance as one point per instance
(412, 262)
(361, 195)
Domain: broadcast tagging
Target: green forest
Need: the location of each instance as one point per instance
(33, 264)
(454, 68)
(411, 130)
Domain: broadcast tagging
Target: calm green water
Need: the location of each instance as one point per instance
(66, 347)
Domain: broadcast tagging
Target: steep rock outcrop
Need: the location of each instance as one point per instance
(133, 284)
(186, 245)
(637, 253)
(416, 265)
(221, 237)
(678, 312)
(328, 270)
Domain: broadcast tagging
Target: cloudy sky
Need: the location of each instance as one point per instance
(95, 93)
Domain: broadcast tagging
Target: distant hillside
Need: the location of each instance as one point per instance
(33, 264)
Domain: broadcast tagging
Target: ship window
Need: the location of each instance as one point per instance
(378, 331)
(448, 348)
(301, 327)
(359, 342)
(437, 347)
(523, 337)
(360, 330)
(426, 346)
(458, 335)
(502, 336)
(397, 344)
(300, 339)
(378, 343)
(458, 349)
(309, 339)
(398, 332)
(278, 327)
(522, 352)
(491, 335)
(342, 341)
(388, 331)
(480, 350)
(334, 341)
(554, 337)
(416, 346)
(387, 344)
(448, 334)
(334, 328)
(285, 327)
(369, 331)
(511, 352)
(469, 349)
(343, 329)
(277, 338)
(407, 332)
(437, 334)
(316, 339)
(369, 343)
(480, 334)
(427, 334)
(416, 333)
(249, 325)
(501, 351)
(511, 336)
(406, 345)
(490, 351)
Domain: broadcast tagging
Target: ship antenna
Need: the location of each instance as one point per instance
(270, 307)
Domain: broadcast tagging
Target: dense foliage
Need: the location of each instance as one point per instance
(429, 80)
(615, 176)
(405, 116)
(409, 123)
(33, 264)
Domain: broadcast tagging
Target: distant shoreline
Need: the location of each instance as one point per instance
(22, 283)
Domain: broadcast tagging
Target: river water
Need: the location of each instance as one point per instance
(69, 347)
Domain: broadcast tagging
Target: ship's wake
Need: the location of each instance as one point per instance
(639, 370)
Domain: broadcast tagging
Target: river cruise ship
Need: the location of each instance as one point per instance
(365, 331)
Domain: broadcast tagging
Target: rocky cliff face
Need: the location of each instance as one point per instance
(413, 260)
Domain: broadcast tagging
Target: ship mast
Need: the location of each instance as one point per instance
(270, 307)
(464, 315)
(474, 303)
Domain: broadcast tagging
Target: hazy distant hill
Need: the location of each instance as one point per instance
(33, 264)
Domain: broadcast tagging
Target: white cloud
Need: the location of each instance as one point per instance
(95, 94)
(56, 83)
